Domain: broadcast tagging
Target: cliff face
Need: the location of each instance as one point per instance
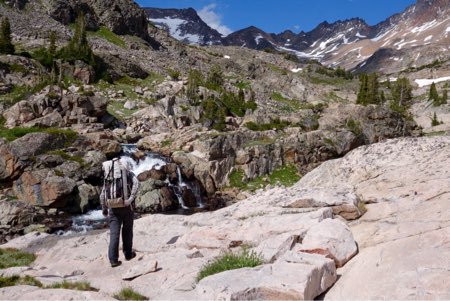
(120, 16)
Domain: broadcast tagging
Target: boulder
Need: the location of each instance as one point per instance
(15, 156)
(43, 188)
(332, 238)
(313, 275)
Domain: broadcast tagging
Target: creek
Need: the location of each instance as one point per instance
(94, 219)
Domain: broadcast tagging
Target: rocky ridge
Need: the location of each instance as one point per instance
(415, 37)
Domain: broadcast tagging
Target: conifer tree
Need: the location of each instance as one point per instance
(362, 94)
(444, 97)
(78, 47)
(434, 96)
(402, 91)
(6, 45)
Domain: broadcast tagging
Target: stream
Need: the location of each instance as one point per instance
(94, 219)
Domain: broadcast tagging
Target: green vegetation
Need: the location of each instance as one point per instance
(230, 261)
(15, 258)
(77, 285)
(339, 72)
(261, 141)
(292, 105)
(110, 36)
(401, 95)
(274, 124)
(215, 78)
(354, 126)
(286, 176)
(174, 74)
(6, 45)
(17, 132)
(369, 92)
(435, 98)
(117, 110)
(68, 157)
(129, 294)
(167, 142)
(434, 120)
(17, 280)
(242, 85)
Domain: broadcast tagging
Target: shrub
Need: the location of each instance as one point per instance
(76, 285)
(174, 74)
(17, 280)
(110, 36)
(230, 261)
(15, 258)
(129, 294)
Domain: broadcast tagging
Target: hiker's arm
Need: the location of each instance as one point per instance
(103, 203)
(134, 190)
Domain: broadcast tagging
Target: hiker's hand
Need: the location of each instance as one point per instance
(105, 212)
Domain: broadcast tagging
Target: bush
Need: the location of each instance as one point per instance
(17, 132)
(275, 124)
(17, 280)
(77, 285)
(15, 258)
(129, 294)
(230, 261)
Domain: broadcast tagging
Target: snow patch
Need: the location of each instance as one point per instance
(360, 35)
(174, 30)
(424, 27)
(427, 82)
(296, 70)
(258, 38)
(428, 38)
(226, 57)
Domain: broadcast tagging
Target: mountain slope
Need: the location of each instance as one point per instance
(415, 37)
(184, 25)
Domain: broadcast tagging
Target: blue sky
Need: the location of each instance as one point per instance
(275, 16)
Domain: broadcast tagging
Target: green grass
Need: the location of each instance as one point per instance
(15, 258)
(261, 141)
(291, 105)
(433, 134)
(67, 157)
(17, 280)
(242, 85)
(17, 132)
(275, 124)
(76, 285)
(286, 176)
(110, 36)
(129, 294)
(117, 110)
(230, 261)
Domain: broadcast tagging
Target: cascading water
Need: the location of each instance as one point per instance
(94, 219)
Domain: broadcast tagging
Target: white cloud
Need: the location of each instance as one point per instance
(214, 20)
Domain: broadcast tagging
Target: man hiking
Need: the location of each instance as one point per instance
(117, 197)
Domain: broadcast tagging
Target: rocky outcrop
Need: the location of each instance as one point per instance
(404, 180)
(55, 107)
(120, 16)
(17, 155)
(404, 183)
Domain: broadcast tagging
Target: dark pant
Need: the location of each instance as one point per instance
(118, 217)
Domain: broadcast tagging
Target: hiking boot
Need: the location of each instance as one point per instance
(116, 263)
(133, 254)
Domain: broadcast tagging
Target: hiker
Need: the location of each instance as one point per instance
(117, 199)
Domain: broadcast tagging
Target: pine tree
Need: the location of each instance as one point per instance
(402, 91)
(444, 97)
(52, 45)
(6, 45)
(434, 120)
(78, 47)
(434, 96)
(362, 94)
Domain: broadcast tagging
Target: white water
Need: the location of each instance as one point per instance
(94, 218)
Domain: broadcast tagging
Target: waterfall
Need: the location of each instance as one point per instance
(94, 219)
